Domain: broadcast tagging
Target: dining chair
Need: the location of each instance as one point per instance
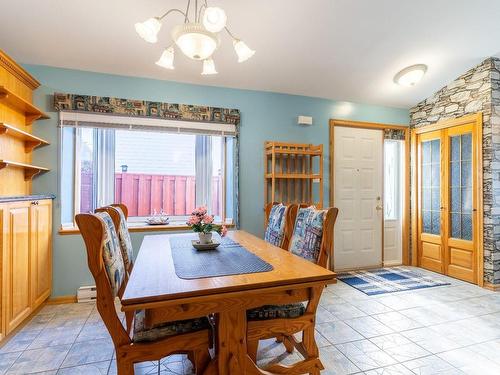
(312, 239)
(119, 215)
(105, 261)
(279, 223)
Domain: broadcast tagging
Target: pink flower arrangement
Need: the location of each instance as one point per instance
(201, 222)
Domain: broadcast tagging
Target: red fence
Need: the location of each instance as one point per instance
(145, 193)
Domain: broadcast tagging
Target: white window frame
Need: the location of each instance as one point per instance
(87, 120)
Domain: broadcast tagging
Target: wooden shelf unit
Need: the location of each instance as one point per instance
(29, 170)
(293, 173)
(14, 101)
(25, 225)
(30, 141)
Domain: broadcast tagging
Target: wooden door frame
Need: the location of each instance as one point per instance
(406, 194)
(477, 119)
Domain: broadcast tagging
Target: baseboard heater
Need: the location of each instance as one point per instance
(86, 294)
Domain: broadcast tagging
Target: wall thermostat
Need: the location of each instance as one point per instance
(305, 120)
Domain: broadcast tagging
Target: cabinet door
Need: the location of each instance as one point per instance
(41, 251)
(16, 264)
(3, 242)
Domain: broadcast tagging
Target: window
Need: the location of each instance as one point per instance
(147, 170)
(393, 179)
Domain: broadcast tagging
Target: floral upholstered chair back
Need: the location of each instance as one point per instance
(124, 237)
(312, 237)
(118, 213)
(275, 230)
(111, 254)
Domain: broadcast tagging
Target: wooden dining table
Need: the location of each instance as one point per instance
(155, 287)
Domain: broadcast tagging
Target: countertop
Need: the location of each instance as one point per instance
(33, 197)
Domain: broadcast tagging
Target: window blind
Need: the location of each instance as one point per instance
(92, 120)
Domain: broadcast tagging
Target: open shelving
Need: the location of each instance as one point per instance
(293, 173)
(14, 101)
(30, 141)
(29, 170)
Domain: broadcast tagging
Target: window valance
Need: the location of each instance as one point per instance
(143, 108)
(109, 121)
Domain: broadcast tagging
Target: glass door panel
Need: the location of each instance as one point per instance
(461, 186)
(431, 186)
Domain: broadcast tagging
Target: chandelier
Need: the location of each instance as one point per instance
(198, 37)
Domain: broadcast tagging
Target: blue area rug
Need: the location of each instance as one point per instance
(388, 280)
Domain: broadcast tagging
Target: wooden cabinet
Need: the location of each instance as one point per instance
(26, 259)
(41, 251)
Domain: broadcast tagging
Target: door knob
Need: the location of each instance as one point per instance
(378, 208)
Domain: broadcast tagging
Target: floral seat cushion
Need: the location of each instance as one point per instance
(111, 254)
(141, 333)
(275, 230)
(289, 311)
(308, 233)
(125, 241)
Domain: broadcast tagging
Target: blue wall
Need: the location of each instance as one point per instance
(265, 116)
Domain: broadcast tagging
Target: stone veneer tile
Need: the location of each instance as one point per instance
(476, 90)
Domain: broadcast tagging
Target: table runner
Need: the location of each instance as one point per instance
(230, 258)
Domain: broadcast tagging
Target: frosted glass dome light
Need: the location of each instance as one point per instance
(195, 41)
(214, 19)
(410, 75)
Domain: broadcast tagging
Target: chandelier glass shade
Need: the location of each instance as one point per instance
(195, 41)
(197, 38)
(214, 19)
(208, 67)
(148, 30)
(167, 59)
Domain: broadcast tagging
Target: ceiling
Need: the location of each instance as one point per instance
(337, 49)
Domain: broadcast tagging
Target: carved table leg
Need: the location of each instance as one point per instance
(232, 346)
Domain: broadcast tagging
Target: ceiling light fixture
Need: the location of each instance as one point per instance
(197, 39)
(410, 75)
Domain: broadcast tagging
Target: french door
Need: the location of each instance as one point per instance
(448, 185)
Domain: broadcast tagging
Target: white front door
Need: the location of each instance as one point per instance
(358, 168)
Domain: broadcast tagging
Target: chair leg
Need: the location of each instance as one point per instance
(309, 343)
(124, 367)
(201, 360)
(252, 347)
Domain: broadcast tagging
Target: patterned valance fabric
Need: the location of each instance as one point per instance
(143, 108)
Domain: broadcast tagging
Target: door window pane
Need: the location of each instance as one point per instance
(455, 199)
(393, 182)
(467, 226)
(431, 186)
(461, 186)
(455, 225)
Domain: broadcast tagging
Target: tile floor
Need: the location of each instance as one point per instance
(448, 330)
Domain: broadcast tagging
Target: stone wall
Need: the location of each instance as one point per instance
(476, 90)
